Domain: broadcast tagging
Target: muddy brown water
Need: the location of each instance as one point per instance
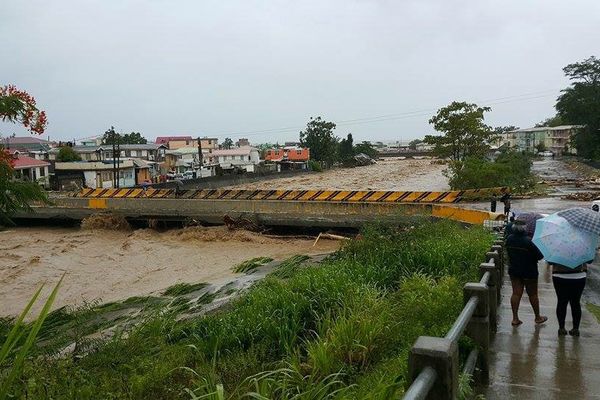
(109, 265)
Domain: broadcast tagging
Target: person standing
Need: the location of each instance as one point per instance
(506, 200)
(523, 257)
(568, 284)
(493, 203)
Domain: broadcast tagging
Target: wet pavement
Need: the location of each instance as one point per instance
(548, 170)
(532, 362)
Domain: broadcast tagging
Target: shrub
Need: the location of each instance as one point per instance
(509, 169)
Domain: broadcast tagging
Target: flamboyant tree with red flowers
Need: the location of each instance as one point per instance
(18, 106)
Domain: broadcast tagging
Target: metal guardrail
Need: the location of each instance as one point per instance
(433, 362)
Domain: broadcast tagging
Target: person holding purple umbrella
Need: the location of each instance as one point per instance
(568, 285)
(523, 258)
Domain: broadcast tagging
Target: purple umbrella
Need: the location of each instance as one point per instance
(529, 218)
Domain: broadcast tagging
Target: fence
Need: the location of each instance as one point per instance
(433, 362)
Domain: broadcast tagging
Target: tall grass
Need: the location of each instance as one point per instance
(341, 329)
(10, 354)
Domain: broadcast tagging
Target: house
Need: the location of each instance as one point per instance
(148, 152)
(29, 168)
(94, 141)
(288, 153)
(174, 142)
(185, 158)
(209, 143)
(87, 153)
(25, 143)
(96, 174)
(242, 157)
(557, 139)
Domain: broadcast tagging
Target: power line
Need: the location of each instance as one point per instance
(397, 116)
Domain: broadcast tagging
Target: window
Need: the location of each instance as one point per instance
(248, 158)
(42, 171)
(299, 152)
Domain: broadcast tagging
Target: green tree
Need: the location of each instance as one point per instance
(464, 132)
(127, 138)
(551, 121)
(499, 130)
(366, 148)
(18, 106)
(413, 144)
(346, 149)
(227, 143)
(134, 138)
(540, 147)
(579, 104)
(111, 136)
(67, 154)
(319, 138)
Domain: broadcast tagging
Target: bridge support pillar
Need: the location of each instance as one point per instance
(493, 290)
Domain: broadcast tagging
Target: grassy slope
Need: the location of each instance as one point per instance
(341, 329)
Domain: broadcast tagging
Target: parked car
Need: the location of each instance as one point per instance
(188, 175)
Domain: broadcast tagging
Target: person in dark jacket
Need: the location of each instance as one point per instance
(509, 226)
(523, 257)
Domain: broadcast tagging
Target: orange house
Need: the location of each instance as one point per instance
(298, 154)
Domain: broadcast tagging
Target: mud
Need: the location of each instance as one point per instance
(108, 265)
(387, 174)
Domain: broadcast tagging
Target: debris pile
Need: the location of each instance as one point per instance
(106, 221)
(582, 196)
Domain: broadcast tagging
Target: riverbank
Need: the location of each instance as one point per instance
(342, 327)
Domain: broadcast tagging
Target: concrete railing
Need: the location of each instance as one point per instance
(433, 362)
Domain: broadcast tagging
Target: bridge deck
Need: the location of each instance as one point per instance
(532, 362)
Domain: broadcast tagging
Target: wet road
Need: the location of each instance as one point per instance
(532, 362)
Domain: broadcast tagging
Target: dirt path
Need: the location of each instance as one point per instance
(387, 174)
(109, 265)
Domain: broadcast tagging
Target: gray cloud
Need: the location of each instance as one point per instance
(228, 67)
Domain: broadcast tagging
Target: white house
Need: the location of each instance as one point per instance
(244, 157)
(29, 168)
(100, 174)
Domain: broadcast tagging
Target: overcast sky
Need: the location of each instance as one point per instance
(260, 69)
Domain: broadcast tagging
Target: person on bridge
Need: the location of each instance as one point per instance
(568, 284)
(506, 200)
(523, 257)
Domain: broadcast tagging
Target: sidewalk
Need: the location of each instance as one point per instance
(532, 362)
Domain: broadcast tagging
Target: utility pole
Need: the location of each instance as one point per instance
(200, 151)
(114, 157)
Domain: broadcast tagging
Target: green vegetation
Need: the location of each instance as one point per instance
(464, 132)
(111, 136)
(509, 169)
(314, 166)
(67, 154)
(594, 309)
(249, 266)
(579, 104)
(290, 266)
(328, 149)
(180, 289)
(340, 329)
(14, 349)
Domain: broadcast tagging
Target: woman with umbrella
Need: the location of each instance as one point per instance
(568, 240)
(523, 256)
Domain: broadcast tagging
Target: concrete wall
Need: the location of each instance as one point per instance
(215, 182)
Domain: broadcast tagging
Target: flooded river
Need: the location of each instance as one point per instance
(114, 265)
(387, 174)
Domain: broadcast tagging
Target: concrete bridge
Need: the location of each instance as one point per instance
(310, 208)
